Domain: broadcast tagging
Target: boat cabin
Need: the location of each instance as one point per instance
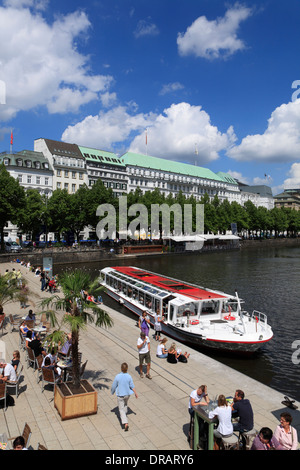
(187, 304)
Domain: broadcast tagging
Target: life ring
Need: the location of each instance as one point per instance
(125, 250)
(229, 317)
(194, 322)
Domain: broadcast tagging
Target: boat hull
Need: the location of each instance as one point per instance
(190, 338)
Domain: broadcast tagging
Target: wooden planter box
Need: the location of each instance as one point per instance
(75, 403)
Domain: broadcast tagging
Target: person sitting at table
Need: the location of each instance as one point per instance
(30, 316)
(16, 359)
(36, 345)
(24, 328)
(285, 433)
(56, 370)
(19, 443)
(241, 407)
(266, 441)
(223, 413)
(52, 356)
(198, 397)
(29, 337)
(8, 372)
(64, 350)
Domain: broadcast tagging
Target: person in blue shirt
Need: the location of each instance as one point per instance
(124, 387)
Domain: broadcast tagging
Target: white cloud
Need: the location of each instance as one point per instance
(214, 39)
(171, 87)
(40, 63)
(293, 182)
(175, 134)
(179, 131)
(106, 129)
(145, 28)
(279, 143)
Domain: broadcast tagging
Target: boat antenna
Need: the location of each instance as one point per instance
(238, 301)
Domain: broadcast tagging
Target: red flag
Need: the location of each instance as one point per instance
(11, 138)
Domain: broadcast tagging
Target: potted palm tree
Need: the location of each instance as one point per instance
(76, 397)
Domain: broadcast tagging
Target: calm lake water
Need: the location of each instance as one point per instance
(266, 279)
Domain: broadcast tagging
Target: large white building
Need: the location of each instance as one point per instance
(106, 166)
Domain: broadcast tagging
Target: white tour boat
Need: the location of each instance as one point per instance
(193, 315)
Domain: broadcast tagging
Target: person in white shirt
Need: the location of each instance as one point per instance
(143, 345)
(198, 397)
(7, 372)
(223, 413)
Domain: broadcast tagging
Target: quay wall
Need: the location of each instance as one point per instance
(84, 255)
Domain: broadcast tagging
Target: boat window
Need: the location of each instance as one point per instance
(171, 312)
(210, 306)
(230, 306)
(187, 309)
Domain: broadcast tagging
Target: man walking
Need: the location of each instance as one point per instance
(124, 387)
(143, 345)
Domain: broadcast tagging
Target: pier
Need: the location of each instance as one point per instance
(158, 419)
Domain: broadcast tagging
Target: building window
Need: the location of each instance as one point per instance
(73, 188)
(74, 174)
(46, 181)
(58, 185)
(38, 180)
(20, 178)
(66, 186)
(28, 179)
(58, 173)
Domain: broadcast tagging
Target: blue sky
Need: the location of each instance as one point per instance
(210, 80)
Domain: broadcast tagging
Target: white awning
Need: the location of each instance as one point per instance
(185, 238)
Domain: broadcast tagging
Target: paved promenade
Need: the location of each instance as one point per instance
(158, 419)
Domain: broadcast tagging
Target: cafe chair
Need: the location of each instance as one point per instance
(48, 377)
(26, 434)
(38, 362)
(82, 369)
(41, 447)
(246, 439)
(15, 383)
(2, 325)
(230, 442)
(30, 357)
(13, 323)
(3, 394)
(30, 323)
(22, 342)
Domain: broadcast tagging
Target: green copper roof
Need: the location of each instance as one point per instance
(94, 155)
(161, 164)
(227, 177)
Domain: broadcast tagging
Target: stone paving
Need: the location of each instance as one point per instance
(158, 419)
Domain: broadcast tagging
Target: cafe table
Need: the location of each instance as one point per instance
(40, 329)
(65, 365)
(201, 412)
(4, 442)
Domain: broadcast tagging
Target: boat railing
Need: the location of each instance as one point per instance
(260, 317)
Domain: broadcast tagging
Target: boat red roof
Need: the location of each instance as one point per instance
(170, 285)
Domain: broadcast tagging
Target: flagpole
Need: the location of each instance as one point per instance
(11, 141)
(146, 141)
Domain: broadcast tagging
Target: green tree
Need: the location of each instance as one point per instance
(12, 201)
(58, 207)
(32, 215)
(77, 216)
(80, 311)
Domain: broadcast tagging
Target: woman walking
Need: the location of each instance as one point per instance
(124, 387)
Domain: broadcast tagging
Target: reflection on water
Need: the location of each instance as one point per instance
(266, 279)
